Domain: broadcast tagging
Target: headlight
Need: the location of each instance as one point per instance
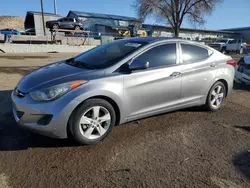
(55, 92)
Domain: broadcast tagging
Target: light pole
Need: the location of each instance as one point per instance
(44, 32)
(55, 8)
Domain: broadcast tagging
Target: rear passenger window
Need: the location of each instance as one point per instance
(160, 55)
(192, 53)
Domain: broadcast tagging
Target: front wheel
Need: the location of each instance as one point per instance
(55, 26)
(93, 121)
(77, 28)
(223, 50)
(215, 96)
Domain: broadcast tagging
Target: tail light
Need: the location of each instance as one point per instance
(231, 62)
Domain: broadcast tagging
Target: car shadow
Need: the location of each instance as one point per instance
(244, 128)
(238, 86)
(241, 162)
(14, 138)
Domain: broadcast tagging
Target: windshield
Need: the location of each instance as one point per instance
(108, 54)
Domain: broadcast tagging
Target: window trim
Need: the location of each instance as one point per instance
(180, 51)
(153, 46)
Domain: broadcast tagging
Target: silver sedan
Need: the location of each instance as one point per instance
(118, 82)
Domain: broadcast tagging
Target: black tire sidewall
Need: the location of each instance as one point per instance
(77, 27)
(208, 103)
(81, 110)
(223, 50)
(53, 26)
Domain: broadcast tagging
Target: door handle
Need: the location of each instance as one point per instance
(175, 74)
(213, 65)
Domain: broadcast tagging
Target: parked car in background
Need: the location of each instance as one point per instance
(118, 82)
(242, 73)
(220, 44)
(236, 45)
(65, 23)
(9, 31)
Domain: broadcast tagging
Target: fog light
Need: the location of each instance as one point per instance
(45, 119)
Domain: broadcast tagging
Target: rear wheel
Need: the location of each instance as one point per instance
(93, 121)
(216, 96)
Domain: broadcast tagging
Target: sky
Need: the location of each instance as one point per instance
(229, 14)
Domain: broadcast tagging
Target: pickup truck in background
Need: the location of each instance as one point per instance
(229, 45)
(220, 44)
(236, 45)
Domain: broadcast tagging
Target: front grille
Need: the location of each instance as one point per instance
(215, 46)
(19, 93)
(19, 114)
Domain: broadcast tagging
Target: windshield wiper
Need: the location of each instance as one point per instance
(75, 63)
(83, 64)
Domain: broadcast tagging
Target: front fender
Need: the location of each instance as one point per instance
(113, 91)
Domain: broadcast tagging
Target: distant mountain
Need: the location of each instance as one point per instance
(12, 22)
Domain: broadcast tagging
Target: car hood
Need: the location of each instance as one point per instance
(54, 74)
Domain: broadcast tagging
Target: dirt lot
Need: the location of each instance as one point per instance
(188, 148)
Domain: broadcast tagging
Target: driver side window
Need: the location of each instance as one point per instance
(159, 56)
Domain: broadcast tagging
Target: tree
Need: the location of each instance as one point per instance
(174, 11)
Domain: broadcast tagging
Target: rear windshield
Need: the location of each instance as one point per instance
(109, 54)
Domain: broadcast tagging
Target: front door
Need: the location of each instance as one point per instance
(233, 45)
(65, 23)
(157, 88)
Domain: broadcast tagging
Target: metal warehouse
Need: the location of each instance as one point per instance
(104, 23)
(165, 31)
(33, 20)
(115, 25)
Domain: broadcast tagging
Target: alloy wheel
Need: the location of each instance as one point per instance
(95, 122)
(217, 96)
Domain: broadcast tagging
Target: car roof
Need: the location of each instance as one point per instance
(151, 40)
(148, 39)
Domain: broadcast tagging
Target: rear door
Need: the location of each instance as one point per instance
(152, 90)
(198, 72)
(71, 23)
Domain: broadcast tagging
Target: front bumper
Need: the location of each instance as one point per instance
(28, 112)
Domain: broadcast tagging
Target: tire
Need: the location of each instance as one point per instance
(214, 102)
(223, 50)
(92, 133)
(77, 28)
(55, 26)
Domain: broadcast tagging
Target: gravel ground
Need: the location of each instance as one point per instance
(187, 148)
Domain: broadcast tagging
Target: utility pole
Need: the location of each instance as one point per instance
(44, 32)
(55, 8)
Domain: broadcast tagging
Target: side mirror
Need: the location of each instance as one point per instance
(138, 65)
